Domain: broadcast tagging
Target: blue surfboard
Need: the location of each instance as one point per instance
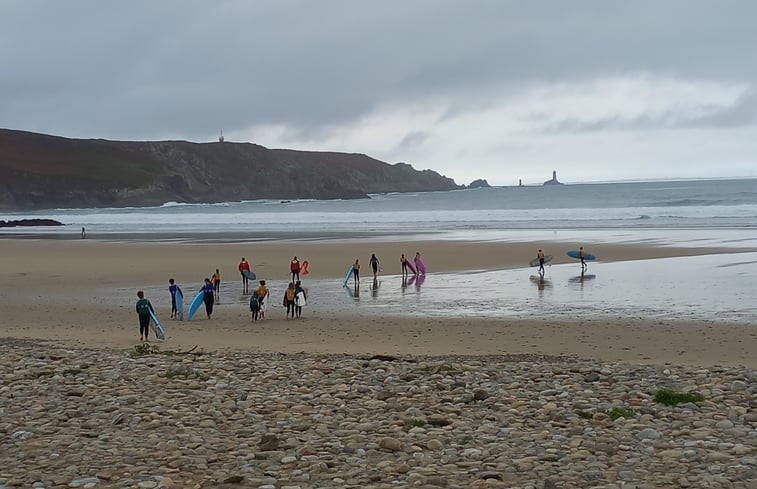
(587, 256)
(157, 327)
(249, 275)
(349, 274)
(195, 305)
(180, 304)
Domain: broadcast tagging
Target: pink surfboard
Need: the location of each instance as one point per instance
(411, 267)
(420, 266)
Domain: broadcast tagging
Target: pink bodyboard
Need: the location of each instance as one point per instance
(420, 266)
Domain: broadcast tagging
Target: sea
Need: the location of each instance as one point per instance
(697, 213)
(483, 213)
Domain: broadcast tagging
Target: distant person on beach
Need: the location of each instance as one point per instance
(299, 292)
(294, 267)
(208, 296)
(289, 299)
(216, 281)
(582, 256)
(244, 267)
(254, 306)
(83, 233)
(173, 288)
(143, 310)
(263, 298)
(374, 263)
(356, 272)
(403, 261)
(540, 256)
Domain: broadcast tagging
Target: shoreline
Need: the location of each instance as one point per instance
(82, 292)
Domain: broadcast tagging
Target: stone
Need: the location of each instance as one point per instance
(391, 444)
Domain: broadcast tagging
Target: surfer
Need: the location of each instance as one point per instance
(356, 272)
(143, 310)
(254, 306)
(374, 263)
(582, 256)
(244, 267)
(208, 296)
(289, 299)
(299, 292)
(294, 267)
(83, 233)
(403, 261)
(173, 288)
(262, 298)
(540, 256)
(216, 281)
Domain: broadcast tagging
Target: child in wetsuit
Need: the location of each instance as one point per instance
(143, 310)
(254, 306)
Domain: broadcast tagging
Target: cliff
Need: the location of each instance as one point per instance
(42, 171)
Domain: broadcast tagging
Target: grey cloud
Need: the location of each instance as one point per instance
(145, 69)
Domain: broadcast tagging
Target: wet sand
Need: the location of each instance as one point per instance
(83, 293)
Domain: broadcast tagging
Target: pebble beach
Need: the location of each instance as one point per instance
(112, 418)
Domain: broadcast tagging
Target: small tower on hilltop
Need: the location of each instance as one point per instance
(554, 180)
(220, 138)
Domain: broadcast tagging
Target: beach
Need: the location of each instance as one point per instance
(83, 293)
(481, 374)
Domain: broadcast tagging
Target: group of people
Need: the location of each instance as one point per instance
(581, 256)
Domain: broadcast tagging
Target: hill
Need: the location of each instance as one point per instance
(42, 171)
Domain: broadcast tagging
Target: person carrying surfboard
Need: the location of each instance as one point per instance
(208, 296)
(143, 310)
(356, 272)
(244, 266)
(299, 298)
(540, 256)
(294, 267)
(582, 256)
(263, 298)
(173, 289)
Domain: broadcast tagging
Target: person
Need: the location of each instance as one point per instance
(297, 291)
(582, 256)
(263, 298)
(143, 310)
(289, 299)
(83, 233)
(254, 306)
(374, 263)
(216, 281)
(356, 272)
(403, 260)
(540, 256)
(294, 267)
(208, 296)
(244, 267)
(173, 289)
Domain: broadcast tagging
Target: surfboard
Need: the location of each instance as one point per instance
(249, 275)
(420, 266)
(304, 270)
(299, 299)
(180, 304)
(411, 267)
(349, 274)
(194, 305)
(587, 256)
(535, 261)
(157, 328)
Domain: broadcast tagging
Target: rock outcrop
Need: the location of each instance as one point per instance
(41, 171)
(29, 222)
(479, 183)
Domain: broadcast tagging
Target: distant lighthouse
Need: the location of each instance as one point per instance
(554, 180)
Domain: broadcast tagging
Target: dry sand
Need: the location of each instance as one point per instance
(83, 293)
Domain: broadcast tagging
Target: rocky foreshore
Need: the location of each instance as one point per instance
(95, 418)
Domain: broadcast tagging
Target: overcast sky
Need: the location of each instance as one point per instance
(502, 90)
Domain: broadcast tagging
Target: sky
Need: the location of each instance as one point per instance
(503, 90)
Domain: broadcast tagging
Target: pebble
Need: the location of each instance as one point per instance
(305, 420)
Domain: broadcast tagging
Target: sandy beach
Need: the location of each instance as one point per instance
(82, 292)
